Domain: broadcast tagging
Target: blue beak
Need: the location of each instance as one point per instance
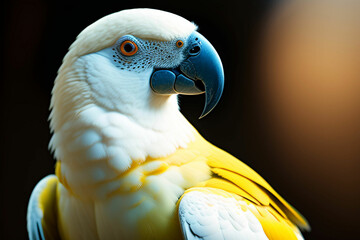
(200, 72)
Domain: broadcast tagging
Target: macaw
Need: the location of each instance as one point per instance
(129, 165)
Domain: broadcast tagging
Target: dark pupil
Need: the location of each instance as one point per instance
(128, 47)
(179, 44)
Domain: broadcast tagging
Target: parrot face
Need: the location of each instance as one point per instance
(146, 72)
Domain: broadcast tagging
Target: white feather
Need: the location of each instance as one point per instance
(213, 217)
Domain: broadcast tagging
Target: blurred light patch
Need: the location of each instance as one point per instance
(309, 71)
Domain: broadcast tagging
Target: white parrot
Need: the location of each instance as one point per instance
(129, 165)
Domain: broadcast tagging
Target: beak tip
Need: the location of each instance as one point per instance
(202, 115)
(207, 109)
(212, 98)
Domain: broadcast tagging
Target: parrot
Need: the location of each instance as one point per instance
(129, 165)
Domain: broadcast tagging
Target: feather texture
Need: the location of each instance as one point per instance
(144, 204)
(277, 217)
(42, 210)
(199, 167)
(209, 213)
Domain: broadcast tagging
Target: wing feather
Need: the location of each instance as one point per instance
(232, 169)
(42, 213)
(213, 214)
(278, 219)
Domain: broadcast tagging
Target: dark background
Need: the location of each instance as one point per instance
(36, 35)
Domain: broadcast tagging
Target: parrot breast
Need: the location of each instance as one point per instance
(119, 178)
(141, 206)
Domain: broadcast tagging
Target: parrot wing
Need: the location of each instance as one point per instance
(221, 207)
(42, 210)
(208, 213)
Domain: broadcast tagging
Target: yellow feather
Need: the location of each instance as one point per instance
(229, 187)
(244, 184)
(275, 226)
(251, 188)
(48, 205)
(222, 160)
(278, 218)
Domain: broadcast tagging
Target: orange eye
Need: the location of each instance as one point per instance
(128, 48)
(179, 43)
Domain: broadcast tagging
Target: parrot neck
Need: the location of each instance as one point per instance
(97, 143)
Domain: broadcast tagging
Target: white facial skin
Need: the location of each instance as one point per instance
(150, 54)
(121, 83)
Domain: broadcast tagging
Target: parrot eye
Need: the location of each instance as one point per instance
(179, 43)
(128, 48)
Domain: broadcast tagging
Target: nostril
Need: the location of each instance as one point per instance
(194, 50)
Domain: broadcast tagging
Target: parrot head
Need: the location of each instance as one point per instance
(138, 59)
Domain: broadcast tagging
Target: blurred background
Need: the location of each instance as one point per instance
(290, 109)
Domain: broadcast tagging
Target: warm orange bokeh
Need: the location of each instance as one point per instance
(310, 89)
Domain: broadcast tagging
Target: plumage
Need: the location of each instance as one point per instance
(209, 213)
(129, 165)
(42, 210)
